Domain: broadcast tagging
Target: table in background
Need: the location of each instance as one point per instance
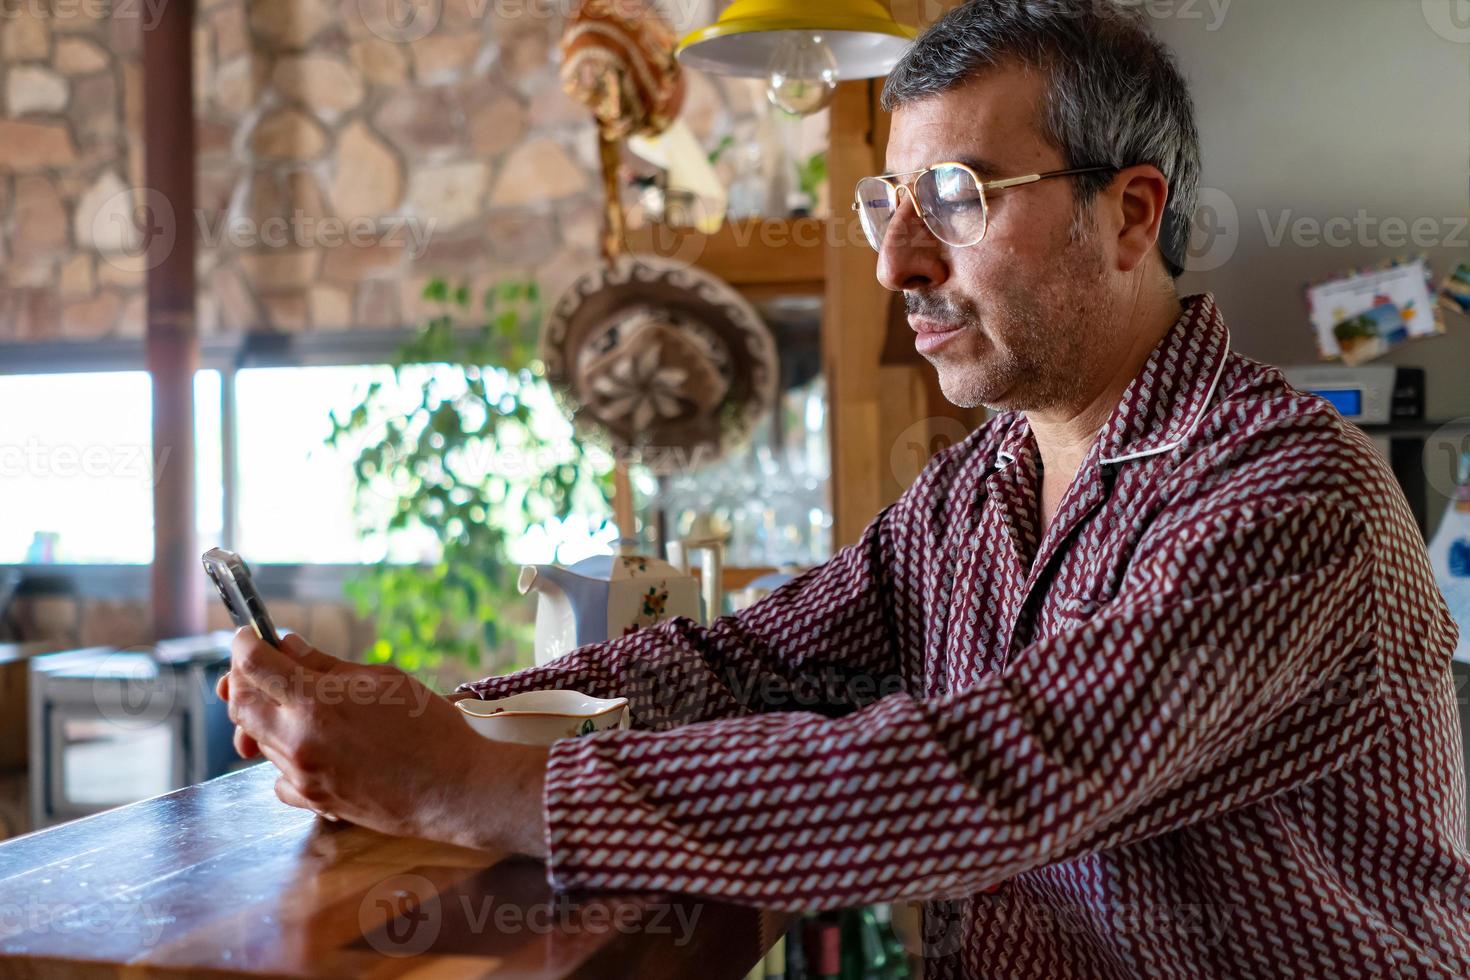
(109, 726)
(14, 666)
(15, 661)
(222, 878)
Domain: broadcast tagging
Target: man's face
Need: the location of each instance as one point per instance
(1017, 321)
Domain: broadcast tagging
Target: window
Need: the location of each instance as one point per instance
(297, 496)
(77, 467)
(77, 472)
(296, 493)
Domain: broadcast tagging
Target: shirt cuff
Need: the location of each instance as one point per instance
(492, 688)
(579, 788)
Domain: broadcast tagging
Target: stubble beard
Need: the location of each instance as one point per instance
(1035, 341)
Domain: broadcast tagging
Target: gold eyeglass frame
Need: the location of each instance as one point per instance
(895, 186)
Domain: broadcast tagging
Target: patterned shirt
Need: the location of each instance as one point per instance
(1201, 725)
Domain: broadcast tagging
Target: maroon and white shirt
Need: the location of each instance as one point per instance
(1203, 725)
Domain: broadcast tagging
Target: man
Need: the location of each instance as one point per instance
(1147, 677)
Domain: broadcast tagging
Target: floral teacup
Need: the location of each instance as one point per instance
(542, 717)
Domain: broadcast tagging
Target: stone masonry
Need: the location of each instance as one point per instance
(347, 153)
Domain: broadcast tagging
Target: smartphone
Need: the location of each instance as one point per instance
(231, 576)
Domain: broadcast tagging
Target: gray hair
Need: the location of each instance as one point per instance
(1115, 95)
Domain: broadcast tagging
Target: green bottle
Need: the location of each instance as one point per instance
(882, 949)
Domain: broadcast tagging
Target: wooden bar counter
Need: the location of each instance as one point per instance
(222, 879)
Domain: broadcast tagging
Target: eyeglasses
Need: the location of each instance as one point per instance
(950, 197)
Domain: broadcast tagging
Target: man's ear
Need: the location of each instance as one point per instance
(1142, 194)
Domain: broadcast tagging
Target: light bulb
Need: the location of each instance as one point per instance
(803, 74)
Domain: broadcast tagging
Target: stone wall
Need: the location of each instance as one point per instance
(345, 157)
(70, 148)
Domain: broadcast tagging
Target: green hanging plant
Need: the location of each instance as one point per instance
(468, 464)
(811, 174)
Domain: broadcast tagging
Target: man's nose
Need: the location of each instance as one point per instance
(911, 257)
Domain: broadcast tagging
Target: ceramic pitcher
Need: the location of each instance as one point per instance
(603, 598)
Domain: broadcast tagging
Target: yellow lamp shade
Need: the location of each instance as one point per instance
(863, 35)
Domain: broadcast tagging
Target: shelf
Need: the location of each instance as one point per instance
(761, 257)
(1410, 427)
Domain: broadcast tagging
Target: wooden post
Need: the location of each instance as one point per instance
(166, 212)
(855, 317)
(888, 415)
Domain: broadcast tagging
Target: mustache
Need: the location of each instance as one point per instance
(944, 309)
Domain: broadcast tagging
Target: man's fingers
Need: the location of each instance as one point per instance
(288, 794)
(307, 654)
(284, 764)
(269, 690)
(260, 665)
(260, 717)
(222, 686)
(291, 796)
(245, 744)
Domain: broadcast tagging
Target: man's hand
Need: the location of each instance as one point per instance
(369, 744)
(246, 746)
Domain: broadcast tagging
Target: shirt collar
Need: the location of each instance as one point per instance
(1164, 404)
(1168, 399)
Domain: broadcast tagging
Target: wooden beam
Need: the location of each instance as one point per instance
(855, 318)
(756, 253)
(172, 341)
(888, 415)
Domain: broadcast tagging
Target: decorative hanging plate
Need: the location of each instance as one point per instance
(664, 361)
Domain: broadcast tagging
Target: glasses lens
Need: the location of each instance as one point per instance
(953, 205)
(875, 205)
